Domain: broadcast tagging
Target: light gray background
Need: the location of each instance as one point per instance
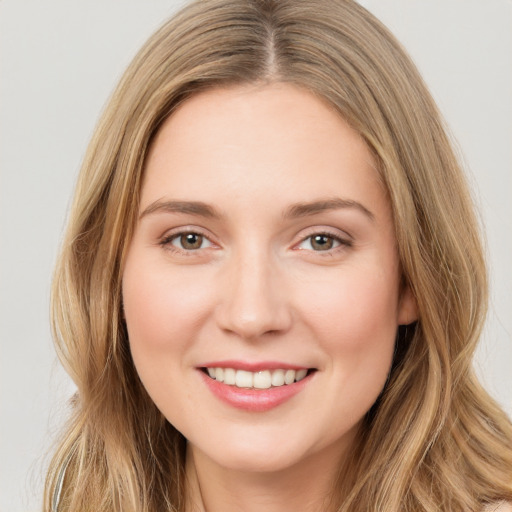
(60, 60)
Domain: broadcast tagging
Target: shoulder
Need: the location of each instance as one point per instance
(501, 506)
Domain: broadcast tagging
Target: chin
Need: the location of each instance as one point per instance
(258, 461)
(270, 453)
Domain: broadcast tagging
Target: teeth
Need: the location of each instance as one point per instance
(243, 379)
(219, 374)
(277, 377)
(229, 376)
(300, 374)
(258, 380)
(289, 376)
(262, 380)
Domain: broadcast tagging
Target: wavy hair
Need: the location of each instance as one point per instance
(435, 440)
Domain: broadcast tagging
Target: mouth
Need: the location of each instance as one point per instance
(259, 380)
(255, 386)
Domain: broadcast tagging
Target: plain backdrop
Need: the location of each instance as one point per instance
(59, 60)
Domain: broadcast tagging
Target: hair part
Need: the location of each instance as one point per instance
(450, 447)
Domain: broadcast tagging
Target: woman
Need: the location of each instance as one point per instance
(272, 283)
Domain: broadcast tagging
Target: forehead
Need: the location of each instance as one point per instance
(277, 140)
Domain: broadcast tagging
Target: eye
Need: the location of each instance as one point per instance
(189, 241)
(322, 242)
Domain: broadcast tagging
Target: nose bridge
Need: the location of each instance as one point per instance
(254, 301)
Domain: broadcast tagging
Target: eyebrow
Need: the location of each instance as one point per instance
(314, 207)
(297, 210)
(188, 207)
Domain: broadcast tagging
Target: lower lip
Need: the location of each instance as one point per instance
(254, 400)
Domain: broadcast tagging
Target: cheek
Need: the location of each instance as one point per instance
(164, 313)
(155, 300)
(354, 311)
(355, 321)
(162, 307)
(355, 324)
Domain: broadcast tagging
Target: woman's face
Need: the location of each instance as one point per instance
(264, 254)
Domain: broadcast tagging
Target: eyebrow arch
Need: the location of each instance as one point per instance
(188, 207)
(202, 209)
(314, 207)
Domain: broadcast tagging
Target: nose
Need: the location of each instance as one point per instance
(254, 300)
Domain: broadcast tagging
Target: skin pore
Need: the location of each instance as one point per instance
(265, 243)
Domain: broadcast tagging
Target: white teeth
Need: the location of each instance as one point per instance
(277, 377)
(300, 374)
(259, 380)
(219, 374)
(243, 379)
(229, 376)
(262, 380)
(289, 376)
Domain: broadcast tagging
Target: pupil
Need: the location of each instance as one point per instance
(322, 242)
(191, 241)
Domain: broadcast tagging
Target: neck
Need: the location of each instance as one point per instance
(306, 486)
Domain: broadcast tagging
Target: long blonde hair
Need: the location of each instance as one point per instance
(435, 440)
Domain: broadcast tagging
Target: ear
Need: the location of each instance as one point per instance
(407, 307)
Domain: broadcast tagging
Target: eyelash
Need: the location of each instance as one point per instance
(166, 242)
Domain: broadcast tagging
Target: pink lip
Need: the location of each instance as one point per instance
(253, 366)
(253, 400)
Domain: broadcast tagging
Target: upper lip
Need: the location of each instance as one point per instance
(253, 366)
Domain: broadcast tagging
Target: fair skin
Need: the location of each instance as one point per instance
(264, 248)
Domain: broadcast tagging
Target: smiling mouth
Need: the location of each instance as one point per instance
(264, 379)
